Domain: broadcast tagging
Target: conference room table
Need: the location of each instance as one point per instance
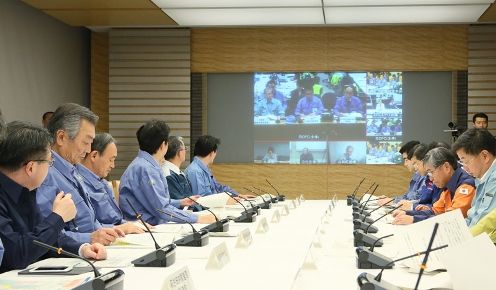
(309, 247)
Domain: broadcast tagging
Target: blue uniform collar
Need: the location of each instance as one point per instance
(63, 166)
(12, 188)
(91, 177)
(200, 164)
(452, 184)
(148, 157)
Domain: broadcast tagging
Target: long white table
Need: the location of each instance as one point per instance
(309, 248)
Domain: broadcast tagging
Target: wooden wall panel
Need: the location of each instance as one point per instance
(149, 77)
(482, 73)
(314, 181)
(413, 48)
(100, 79)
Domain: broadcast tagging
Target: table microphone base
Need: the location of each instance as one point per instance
(198, 239)
(221, 226)
(367, 281)
(113, 280)
(163, 257)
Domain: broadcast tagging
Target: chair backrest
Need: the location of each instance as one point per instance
(115, 187)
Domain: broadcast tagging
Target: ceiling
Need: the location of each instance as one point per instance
(197, 13)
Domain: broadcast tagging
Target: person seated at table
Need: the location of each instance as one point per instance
(277, 94)
(480, 120)
(144, 186)
(347, 158)
(72, 127)
(24, 162)
(94, 168)
(199, 175)
(476, 149)
(429, 193)
(309, 104)
(414, 185)
(458, 187)
(306, 157)
(270, 156)
(348, 103)
(268, 106)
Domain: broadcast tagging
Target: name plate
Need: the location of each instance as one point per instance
(179, 280)
(284, 209)
(294, 203)
(325, 219)
(219, 257)
(310, 262)
(276, 217)
(244, 239)
(302, 198)
(263, 226)
(316, 241)
(298, 201)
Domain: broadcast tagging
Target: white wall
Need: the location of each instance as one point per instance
(43, 62)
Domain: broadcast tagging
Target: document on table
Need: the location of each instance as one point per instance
(470, 265)
(414, 238)
(214, 200)
(143, 240)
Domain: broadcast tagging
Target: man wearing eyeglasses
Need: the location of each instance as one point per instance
(457, 185)
(476, 149)
(24, 163)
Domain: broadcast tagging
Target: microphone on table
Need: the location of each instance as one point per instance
(111, 280)
(351, 196)
(196, 239)
(255, 208)
(272, 198)
(161, 257)
(362, 206)
(355, 201)
(219, 225)
(280, 196)
(246, 215)
(364, 216)
(267, 204)
(368, 282)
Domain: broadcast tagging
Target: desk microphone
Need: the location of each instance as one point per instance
(280, 196)
(161, 257)
(355, 202)
(112, 280)
(196, 239)
(219, 225)
(254, 208)
(267, 204)
(351, 196)
(272, 198)
(371, 249)
(362, 206)
(367, 281)
(246, 215)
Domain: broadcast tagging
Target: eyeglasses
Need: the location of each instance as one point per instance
(50, 162)
(466, 162)
(185, 149)
(431, 172)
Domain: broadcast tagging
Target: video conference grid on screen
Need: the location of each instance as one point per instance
(328, 117)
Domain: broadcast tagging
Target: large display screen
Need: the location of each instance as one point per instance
(328, 117)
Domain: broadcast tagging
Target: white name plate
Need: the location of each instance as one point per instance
(276, 217)
(310, 262)
(263, 226)
(244, 239)
(219, 257)
(302, 198)
(179, 280)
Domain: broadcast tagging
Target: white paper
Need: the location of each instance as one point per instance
(470, 265)
(414, 238)
(214, 200)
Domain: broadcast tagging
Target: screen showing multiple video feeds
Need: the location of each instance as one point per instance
(328, 117)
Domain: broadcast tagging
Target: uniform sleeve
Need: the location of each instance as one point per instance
(224, 188)
(45, 195)
(198, 183)
(463, 198)
(298, 108)
(486, 225)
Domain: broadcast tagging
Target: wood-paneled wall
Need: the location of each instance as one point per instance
(411, 48)
(149, 78)
(314, 181)
(99, 99)
(482, 73)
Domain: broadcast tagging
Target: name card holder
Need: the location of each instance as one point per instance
(310, 262)
(244, 239)
(302, 198)
(276, 217)
(219, 257)
(263, 226)
(179, 280)
(284, 209)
